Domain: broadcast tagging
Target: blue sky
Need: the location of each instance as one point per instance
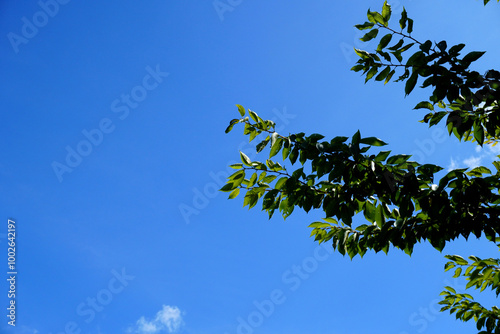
(113, 145)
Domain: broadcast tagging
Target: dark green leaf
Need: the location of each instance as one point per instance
(455, 50)
(411, 82)
(383, 75)
(382, 156)
(410, 26)
(373, 141)
(426, 47)
(473, 56)
(479, 133)
(253, 116)
(442, 46)
(397, 45)
(364, 26)
(404, 19)
(398, 159)
(369, 35)
(371, 73)
(424, 105)
(389, 76)
(384, 41)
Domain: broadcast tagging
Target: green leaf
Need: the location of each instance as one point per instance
(397, 45)
(410, 84)
(236, 166)
(280, 183)
(369, 211)
(241, 110)
(379, 216)
(424, 105)
(442, 46)
(234, 193)
(315, 137)
(254, 116)
(437, 117)
(319, 225)
(406, 47)
(481, 170)
(373, 141)
(362, 54)
(356, 138)
(386, 11)
(383, 75)
(269, 178)
(369, 35)
(384, 41)
(448, 266)
(252, 180)
(389, 76)
(398, 56)
(330, 220)
(473, 56)
(227, 187)
(426, 46)
(245, 159)
(479, 133)
(404, 19)
(449, 288)
(276, 147)
(250, 199)
(364, 26)
(458, 259)
(410, 26)
(371, 73)
(398, 159)
(382, 156)
(231, 124)
(455, 50)
(260, 146)
(375, 17)
(237, 176)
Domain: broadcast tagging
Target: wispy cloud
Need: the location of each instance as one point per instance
(483, 156)
(453, 165)
(167, 320)
(473, 162)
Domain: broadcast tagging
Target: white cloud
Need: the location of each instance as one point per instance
(494, 150)
(485, 155)
(453, 165)
(473, 162)
(167, 320)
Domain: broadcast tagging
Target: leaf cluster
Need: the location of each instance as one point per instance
(397, 197)
(468, 99)
(402, 202)
(480, 274)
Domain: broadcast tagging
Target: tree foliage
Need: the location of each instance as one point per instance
(402, 201)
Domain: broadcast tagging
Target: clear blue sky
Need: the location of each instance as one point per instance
(113, 118)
